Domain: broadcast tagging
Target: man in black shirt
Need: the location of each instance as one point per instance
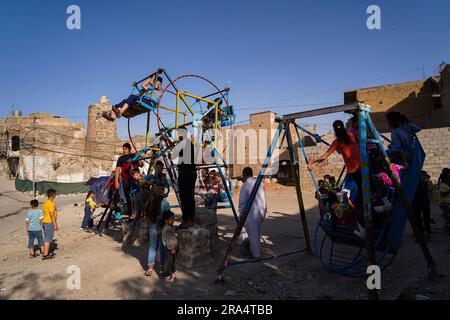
(187, 176)
(123, 170)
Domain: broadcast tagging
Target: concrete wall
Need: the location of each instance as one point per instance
(425, 102)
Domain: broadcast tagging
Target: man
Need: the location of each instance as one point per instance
(123, 171)
(187, 176)
(117, 110)
(257, 212)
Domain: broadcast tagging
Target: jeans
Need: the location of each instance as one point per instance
(87, 219)
(49, 231)
(130, 101)
(155, 243)
(32, 235)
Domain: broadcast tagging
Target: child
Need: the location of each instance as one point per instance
(326, 181)
(49, 223)
(332, 182)
(118, 109)
(444, 193)
(34, 228)
(170, 243)
(89, 208)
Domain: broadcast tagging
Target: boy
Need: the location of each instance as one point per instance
(326, 181)
(118, 109)
(49, 223)
(159, 176)
(33, 225)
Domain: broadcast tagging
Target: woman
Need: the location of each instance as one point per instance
(402, 138)
(154, 209)
(345, 143)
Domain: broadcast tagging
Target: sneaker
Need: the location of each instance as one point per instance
(107, 116)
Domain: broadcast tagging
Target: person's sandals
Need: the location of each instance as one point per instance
(33, 255)
(48, 257)
(107, 115)
(149, 272)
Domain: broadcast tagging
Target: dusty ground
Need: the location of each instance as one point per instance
(109, 273)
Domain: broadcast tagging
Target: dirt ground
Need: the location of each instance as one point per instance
(107, 272)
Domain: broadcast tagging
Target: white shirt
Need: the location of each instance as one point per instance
(259, 207)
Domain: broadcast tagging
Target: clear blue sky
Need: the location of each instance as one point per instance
(271, 53)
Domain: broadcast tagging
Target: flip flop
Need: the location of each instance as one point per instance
(149, 272)
(48, 257)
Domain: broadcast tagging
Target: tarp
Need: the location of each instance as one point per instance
(60, 187)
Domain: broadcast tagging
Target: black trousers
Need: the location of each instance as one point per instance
(169, 263)
(423, 217)
(186, 185)
(359, 195)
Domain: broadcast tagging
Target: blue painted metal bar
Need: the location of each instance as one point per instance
(246, 210)
(151, 144)
(315, 136)
(224, 181)
(364, 166)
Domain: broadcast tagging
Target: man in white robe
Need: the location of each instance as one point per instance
(257, 212)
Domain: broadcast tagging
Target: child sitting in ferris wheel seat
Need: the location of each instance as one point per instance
(342, 213)
(147, 96)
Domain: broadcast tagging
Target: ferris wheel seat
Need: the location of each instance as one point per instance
(148, 102)
(228, 117)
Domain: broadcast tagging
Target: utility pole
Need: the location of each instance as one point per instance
(34, 159)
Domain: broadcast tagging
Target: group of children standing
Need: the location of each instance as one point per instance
(41, 226)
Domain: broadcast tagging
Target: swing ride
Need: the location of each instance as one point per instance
(210, 112)
(338, 248)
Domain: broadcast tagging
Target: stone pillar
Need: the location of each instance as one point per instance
(194, 246)
(207, 218)
(101, 139)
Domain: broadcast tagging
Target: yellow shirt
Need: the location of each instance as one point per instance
(47, 207)
(91, 203)
(443, 187)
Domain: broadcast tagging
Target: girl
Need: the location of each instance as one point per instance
(89, 208)
(155, 207)
(444, 193)
(347, 146)
(170, 243)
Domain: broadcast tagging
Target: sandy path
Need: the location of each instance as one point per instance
(109, 273)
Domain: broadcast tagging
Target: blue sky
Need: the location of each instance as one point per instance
(296, 54)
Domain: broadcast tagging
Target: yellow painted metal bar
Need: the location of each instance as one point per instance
(168, 109)
(187, 94)
(177, 110)
(181, 94)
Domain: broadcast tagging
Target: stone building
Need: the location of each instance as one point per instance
(63, 151)
(252, 140)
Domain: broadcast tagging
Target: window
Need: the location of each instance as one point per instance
(15, 143)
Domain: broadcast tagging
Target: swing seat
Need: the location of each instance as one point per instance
(148, 102)
(228, 117)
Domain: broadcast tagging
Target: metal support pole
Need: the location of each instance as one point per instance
(368, 221)
(298, 189)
